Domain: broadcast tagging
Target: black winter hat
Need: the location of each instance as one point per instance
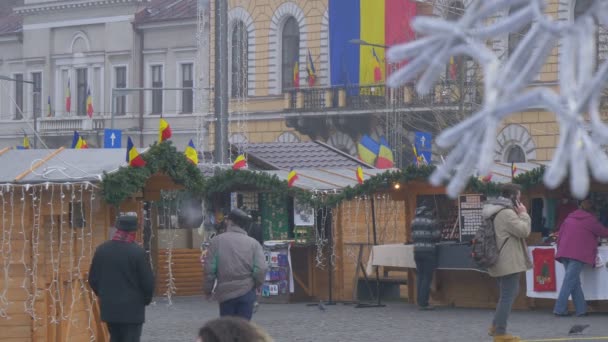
(126, 223)
(239, 217)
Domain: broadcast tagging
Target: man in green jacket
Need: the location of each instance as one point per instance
(236, 261)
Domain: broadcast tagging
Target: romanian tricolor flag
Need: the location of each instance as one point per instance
(133, 157)
(377, 22)
(310, 68)
(296, 73)
(513, 170)
(191, 153)
(26, 144)
(359, 175)
(419, 158)
(164, 130)
(89, 103)
(239, 163)
(385, 156)
(49, 111)
(453, 71)
(368, 149)
(292, 177)
(68, 98)
(78, 142)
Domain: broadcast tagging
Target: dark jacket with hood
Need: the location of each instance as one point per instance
(426, 232)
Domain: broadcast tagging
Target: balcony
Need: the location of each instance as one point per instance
(378, 96)
(69, 124)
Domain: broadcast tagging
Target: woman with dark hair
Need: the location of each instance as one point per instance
(232, 329)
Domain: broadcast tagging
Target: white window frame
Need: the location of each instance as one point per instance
(178, 84)
(148, 82)
(43, 99)
(113, 85)
(12, 103)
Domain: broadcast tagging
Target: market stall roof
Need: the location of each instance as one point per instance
(326, 179)
(61, 165)
(300, 155)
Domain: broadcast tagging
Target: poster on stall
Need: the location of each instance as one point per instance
(544, 269)
(303, 214)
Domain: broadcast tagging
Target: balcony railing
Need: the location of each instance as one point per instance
(378, 96)
(60, 124)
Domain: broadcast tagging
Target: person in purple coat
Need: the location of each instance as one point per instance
(577, 246)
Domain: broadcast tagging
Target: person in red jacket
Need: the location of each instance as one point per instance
(577, 246)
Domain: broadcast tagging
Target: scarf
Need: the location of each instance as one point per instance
(122, 236)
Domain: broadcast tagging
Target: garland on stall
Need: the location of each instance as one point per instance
(164, 157)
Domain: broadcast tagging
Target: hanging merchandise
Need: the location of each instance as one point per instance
(544, 269)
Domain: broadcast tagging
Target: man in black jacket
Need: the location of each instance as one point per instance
(425, 235)
(122, 279)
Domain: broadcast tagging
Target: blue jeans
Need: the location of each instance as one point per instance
(240, 306)
(508, 286)
(571, 287)
(425, 266)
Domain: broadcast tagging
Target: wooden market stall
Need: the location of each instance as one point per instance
(53, 218)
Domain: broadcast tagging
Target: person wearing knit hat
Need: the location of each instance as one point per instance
(236, 262)
(122, 278)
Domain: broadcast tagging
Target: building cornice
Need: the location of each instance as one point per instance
(69, 4)
(167, 23)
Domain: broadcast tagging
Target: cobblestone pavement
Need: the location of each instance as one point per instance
(395, 322)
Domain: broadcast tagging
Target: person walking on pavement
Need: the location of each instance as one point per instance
(426, 233)
(577, 246)
(512, 226)
(122, 278)
(237, 262)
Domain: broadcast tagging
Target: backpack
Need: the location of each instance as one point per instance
(484, 250)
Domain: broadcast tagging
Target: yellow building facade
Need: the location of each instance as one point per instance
(268, 109)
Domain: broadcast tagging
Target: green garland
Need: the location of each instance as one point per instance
(163, 157)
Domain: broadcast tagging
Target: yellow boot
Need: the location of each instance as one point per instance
(506, 338)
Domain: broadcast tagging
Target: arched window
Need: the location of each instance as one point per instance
(515, 154)
(516, 37)
(239, 60)
(290, 49)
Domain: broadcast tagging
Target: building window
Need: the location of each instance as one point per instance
(516, 154)
(81, 91)
(580, 7)
(18, 96)
(120, 83)
(187, 94)
(290, 46)
(157, 95)
(516, 37)
(37, 94)
(239, 60)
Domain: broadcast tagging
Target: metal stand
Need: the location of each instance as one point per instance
(378, 304)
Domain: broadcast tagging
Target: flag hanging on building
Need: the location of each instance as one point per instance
(359, 175)
(164, 130)
(453, 68)
(513, 170)
(191, 153)
(292, 177)
(296, 73)
(68, 98)
(133, 157)
(368, 149)
(239, 163)
(377, 22)
(385, 155)
(26, 144)
(49, 111)
(78, 142)
(89, 103)
(310, 68)
(377, 67)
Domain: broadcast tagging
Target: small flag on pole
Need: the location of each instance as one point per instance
(89, 103)
(513, 170)
(239, 163)
(78, 142)
(310, 68)
(68, 98)
(191, 153)
(292, 177)
(164, 130)
(359, 175)
(296, 74)
(133, 157)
